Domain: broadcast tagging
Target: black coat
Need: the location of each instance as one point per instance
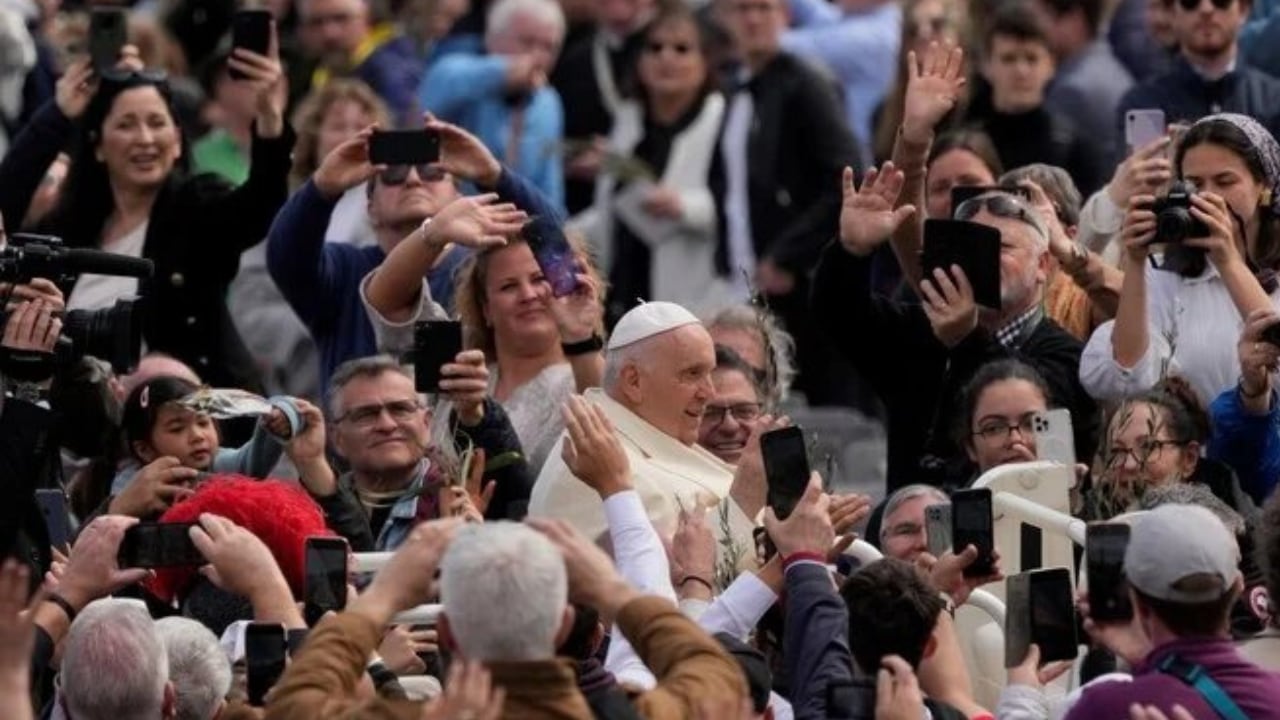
(199, 226)
(1185, 96)
(798, 147)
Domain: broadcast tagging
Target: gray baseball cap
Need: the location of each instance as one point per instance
(1173, 543)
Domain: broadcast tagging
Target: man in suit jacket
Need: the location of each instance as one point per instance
(657, 384)
(782, 148)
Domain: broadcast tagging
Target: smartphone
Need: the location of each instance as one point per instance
(972, 524)
(849, 700)
(108, 34)
(555, 257)
(960, 193)
(786, 468)
(1040, 610)
(158, 545)
(265, 646)
(972, 246)
(1055, 440)
(325, 583)
(1143, 127)
(251, 30)
(1105, 544)
(57, 520)
(435, 344)
(937, 527)
(404, 147)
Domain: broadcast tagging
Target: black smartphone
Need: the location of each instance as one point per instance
(1105, 544)
(786, 468)
(57, 520)
(849, 700)
(961, 193)
(553, 254)
(1053, 614)
(974, 247)
(325, 583)
(435, 344)
(251, 30)
(108, 34)
(158, 545)
(404, 147)
(971, 524)
(265, 647)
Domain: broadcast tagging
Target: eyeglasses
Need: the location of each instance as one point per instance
(654, 48)
(998, 430)
(1000, 204)
(1142, 454)
(1190, 5)
(366, 415)
(399, 174)
(741, 412)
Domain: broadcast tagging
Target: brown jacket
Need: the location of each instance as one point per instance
(690, 666)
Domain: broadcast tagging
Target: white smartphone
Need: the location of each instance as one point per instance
(1055, 440)
(937, 524)
(1143, 127)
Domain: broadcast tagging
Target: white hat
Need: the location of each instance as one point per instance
(1173, 542)
(648, 319)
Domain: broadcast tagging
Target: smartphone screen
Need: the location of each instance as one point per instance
(158, 545)
(1143, 127)
(1017, 618)
(972, 246)
(1053, 615)
(325, 583)
(53, 506)
(937, 526)
(251, 30)
(553, 254)
(264, 654)
(1105, 545)
(1055, 439)
(849, 700)
(971, 524)
(404, 147)
(108, 33)
(435, 344)
(786, 468)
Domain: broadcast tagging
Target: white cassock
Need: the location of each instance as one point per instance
(662, 470)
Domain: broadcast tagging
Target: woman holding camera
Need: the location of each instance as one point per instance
(128, 192)
(1218, 233)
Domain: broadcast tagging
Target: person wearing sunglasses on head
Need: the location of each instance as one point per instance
(324, 282)
(128, 191)
(1210, 75)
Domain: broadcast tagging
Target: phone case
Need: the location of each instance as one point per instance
(937, 524)
(435, 344)
(1055, 439)
(972, 524)
(553, 254)
(974, 247)
(786, 468)
(1142, 127)
(1053, 617)
(108, 33)
(1017, 619)
(1104, 562)
(251, 30)
(404, 147)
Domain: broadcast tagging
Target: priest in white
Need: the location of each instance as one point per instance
(657, 382)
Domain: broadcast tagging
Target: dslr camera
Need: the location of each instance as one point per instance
(1174, 221)
(112, 334)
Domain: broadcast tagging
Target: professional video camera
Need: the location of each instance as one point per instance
(112, 334)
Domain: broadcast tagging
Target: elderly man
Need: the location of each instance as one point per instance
(503, 97)
(114, 665)
(198, 668)
(657, 385)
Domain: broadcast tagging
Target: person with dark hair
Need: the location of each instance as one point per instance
(1181, 311)
(734, 411)
(1183, 584)
(1264, 649)
(1089, 81)
(892, 611)
(128, 192)
(1018, 63)
(1000, 399)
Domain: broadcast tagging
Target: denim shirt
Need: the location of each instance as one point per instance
(404, 514)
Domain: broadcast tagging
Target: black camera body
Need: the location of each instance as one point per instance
(1174, 221)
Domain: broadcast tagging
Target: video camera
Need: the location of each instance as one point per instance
(112, 334)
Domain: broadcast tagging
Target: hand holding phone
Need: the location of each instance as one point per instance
(250, 30)
(1040, 610)
(436, 343)
(972, 246)
(1105, 545)
(404, 147)
(554, 255)
(1143, 127)
(108, 34)
(1055, 439)
(786, 468)
(159, 545)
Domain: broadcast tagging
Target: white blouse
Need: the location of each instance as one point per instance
(95, 292)
(1193, 330)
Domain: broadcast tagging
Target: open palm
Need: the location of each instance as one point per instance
(934, 85)
(867, 217)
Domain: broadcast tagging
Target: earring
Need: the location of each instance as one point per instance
(1264, 200)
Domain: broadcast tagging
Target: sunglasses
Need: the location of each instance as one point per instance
(398, 174)
(127, 76)
(1000, 204)
(1190, 5)
(654, 48)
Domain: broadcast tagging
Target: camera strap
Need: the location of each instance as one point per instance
(1195, 676)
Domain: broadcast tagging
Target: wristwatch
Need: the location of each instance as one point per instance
(595, 343)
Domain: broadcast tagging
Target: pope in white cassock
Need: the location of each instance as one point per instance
(657, 382)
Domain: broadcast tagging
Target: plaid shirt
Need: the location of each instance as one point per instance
(1012, 335)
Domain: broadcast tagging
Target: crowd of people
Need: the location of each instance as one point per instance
(949, 218)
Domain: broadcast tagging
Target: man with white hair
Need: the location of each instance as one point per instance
(503, 97)
(198, 668)
(657, 383)
(114, 665)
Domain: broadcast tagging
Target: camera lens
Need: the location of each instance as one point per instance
(1173, 225)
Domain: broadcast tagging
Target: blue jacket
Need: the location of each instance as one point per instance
(1250, 444)
(321, 281)
(470, 90)
(816, 647)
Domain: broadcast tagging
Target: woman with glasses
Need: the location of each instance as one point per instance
(996, 411)
(128, 192)
(653, 222)
(1186, 292)
(735, 410)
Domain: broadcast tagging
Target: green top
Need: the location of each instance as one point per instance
(218, 153)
